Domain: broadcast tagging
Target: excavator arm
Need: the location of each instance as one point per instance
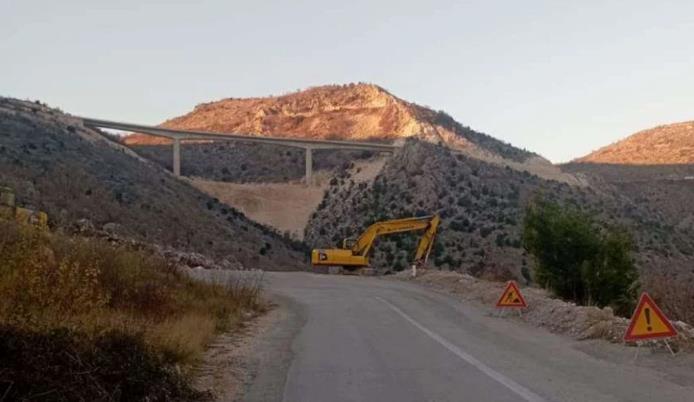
(356, 255)
(427, 241)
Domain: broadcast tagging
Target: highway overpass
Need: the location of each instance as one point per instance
(176, 136)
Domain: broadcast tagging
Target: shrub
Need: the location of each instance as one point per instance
(64, 364)
(86, 320)
(577, 259)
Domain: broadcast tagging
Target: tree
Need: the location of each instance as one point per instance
(577, 259)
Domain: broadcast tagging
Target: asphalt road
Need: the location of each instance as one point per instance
(371, 339)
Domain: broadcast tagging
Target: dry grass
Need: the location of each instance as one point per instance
(89, 288)
(674, 294)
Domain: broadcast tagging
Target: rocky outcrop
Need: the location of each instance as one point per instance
(347, 112)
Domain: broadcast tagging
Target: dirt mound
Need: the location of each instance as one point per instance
(579, 322)
(667, 144)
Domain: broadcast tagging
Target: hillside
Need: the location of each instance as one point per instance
(663, 145)
(75, 173)
(481, 206)
(668, 189)
(347, 112)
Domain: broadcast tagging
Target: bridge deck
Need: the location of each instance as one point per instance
(177, 135)
(205, 135)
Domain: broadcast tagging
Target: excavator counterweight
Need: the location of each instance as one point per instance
(355, 252)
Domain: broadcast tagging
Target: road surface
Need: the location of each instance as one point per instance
(346, 338)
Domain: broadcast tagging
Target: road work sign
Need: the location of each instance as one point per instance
(511, 297)
(648, 322)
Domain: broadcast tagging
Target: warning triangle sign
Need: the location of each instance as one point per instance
(648, 322)
(511, 297)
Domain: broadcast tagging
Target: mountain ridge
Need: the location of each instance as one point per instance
(348, 112)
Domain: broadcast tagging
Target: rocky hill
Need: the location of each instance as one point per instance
(347, 112)
(76, 173)
(662, 145)
(481, 206)
(362, 112)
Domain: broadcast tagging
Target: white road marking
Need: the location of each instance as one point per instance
(518, 389)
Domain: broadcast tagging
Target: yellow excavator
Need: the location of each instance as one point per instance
(354, 253)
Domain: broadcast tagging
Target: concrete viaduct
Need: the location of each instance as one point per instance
(176, 136)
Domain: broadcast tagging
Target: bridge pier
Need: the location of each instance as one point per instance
(309, 166)
(176, 157)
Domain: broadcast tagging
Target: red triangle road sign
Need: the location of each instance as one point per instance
(648, 322)
(511, 297)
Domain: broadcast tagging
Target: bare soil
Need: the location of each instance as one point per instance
(286, 207)
(224, 370)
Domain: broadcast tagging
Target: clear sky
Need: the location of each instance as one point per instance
(560, 78)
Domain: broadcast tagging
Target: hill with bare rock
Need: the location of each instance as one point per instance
(361, 112)
(76, 174)
(663, 145)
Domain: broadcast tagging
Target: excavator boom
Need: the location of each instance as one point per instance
(357, 255)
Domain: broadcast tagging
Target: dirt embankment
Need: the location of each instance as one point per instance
(286, 207)
(558, 316)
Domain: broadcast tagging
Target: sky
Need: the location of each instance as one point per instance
(560, 78)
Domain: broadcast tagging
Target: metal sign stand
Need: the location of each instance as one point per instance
(652, 345)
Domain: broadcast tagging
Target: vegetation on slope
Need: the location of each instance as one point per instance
(81, 319)
(482, 207)
(56, 165)
(240, 163)
(577, 259)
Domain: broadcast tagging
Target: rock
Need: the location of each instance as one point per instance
(84, 226)
(111, 228)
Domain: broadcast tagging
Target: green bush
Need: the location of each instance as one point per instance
(577, 259)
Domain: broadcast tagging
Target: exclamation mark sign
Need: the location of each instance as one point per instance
(648, 319)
